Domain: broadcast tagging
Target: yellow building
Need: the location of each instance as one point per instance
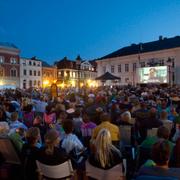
(49, 74)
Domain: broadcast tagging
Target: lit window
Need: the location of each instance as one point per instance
(142, 64)
(1, 59)
(13, 60)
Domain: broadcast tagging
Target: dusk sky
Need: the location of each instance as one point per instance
(52, 29)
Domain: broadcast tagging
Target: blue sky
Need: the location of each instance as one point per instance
(52, 29)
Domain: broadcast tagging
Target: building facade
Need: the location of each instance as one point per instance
(9, 66)
(125, 62)
(76, 73)
(30, 73)
(49, 74)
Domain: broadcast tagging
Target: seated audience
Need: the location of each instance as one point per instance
(113, 129)
(14, 123)
(29, 153)
(4, 129)
(103, 153)
(164, 119)
(51, 153)
(162, 133)
(160, 156)
(86, 129)
(17, 138)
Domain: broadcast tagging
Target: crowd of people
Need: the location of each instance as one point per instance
(85, 126)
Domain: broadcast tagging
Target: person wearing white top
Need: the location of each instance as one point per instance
(70, 142)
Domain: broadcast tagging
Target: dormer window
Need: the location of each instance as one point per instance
(13, 60)
(1, 59)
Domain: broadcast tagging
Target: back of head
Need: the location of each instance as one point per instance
(51, 139)
(14, 116)
(161, 153)
(164, 115)
(68, 126)
(4, 128)
(51, 136)
(105, 117)
(103, 147)
(32, 135)
(163, 132)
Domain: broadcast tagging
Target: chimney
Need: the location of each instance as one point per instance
(160, 38)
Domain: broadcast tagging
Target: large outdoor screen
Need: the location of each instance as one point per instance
(157, 74)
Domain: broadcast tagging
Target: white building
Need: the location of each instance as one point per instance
(124, 63)
(30, 73)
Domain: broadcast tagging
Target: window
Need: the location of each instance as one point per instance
(30, 63)
(142, 64)
(1, 59)
(39, 73)
(34, 82)
(112, 69)
(24, 84)
(30, 83)
(13, 72)
(1, 72)
(25, 72)
(119, 68)
(34, 73)
(30, 72)
(34, 63)
(13, 60)
(126, 67)
(134, 66)
(104, 69)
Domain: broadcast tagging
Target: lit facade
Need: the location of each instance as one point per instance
(49, 74)
(9, 66)
(30, 73)
(124, 63)
(76, 73)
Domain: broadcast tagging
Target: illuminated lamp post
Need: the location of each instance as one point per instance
(78, 67)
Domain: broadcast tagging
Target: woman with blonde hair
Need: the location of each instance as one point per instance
(103, 153)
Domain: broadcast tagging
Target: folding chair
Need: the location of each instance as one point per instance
(60, 171)
(125, 132)
(115, 173)
(152, 132)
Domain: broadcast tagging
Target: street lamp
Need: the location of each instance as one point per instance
(78, 67)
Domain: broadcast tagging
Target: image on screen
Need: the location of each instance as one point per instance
(153, 74)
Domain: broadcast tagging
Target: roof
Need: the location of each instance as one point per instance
(8, 45)
(161, 44)
(107, 76)
(45, 64)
